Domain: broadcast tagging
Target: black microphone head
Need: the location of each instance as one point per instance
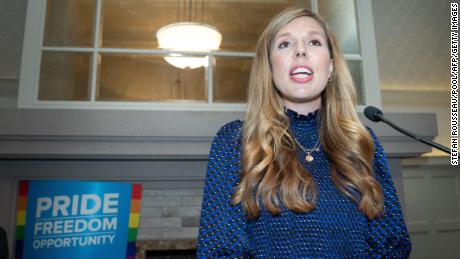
(372, 113)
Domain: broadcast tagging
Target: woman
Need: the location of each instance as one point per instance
(301, 176)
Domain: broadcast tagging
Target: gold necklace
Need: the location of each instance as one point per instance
(308, 151)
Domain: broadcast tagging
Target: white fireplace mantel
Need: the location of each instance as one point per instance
(93, 134)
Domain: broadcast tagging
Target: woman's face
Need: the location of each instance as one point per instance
(301, 63)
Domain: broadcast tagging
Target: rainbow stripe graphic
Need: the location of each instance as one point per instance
(21, 217)
(133, 221)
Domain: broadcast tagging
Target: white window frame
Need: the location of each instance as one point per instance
(32, 50)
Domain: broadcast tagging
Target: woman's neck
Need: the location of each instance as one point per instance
(303, 108)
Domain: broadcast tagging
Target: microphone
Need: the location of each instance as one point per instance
(376, 115)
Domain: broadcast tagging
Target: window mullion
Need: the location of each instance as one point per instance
(151, 51)
(353, 57)
(95, 57)
(314, 6)
(41, 32)
(209, 79)
(370, 73)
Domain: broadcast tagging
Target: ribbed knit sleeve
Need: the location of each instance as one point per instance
(388, 235)
(222, 226)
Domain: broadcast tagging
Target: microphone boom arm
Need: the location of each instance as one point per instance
(414, 136)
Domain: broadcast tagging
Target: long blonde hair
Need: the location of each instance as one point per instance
(270, 168)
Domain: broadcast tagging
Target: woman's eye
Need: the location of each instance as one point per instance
(315, 43)
(283, 45)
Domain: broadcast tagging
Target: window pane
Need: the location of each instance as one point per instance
(356, 73)
(341, 16)
(231, 77)
(69, 23)
(133, 23)
(124, 77)
(64, 76)
(242, 22)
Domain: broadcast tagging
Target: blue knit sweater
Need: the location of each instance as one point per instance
(334, 229)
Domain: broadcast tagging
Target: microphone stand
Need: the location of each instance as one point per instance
(414, 136)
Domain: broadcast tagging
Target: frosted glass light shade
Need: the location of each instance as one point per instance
(188, 36)
(179, 61)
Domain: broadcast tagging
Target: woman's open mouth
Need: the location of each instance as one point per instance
(301, 74)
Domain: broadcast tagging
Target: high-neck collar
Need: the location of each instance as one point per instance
(311, 116)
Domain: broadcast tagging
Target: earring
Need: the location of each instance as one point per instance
(331, 77)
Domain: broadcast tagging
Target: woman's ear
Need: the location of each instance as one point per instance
(331, 67)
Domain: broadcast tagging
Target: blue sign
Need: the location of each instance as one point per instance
(77, 219)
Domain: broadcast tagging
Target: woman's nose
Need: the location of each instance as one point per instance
(301, 54)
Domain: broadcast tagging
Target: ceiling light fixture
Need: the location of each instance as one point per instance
(188, 36)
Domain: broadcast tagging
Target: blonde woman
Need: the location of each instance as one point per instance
(301, 176)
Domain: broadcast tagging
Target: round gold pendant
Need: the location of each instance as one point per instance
(309, 158)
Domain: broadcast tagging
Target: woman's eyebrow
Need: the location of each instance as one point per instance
(287, 34)
(317, 33)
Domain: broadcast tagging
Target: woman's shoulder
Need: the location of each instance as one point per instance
(378, 149)
(377, 145)
(380, 161)
(231, 130)
(226, 143)
(371, 132)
